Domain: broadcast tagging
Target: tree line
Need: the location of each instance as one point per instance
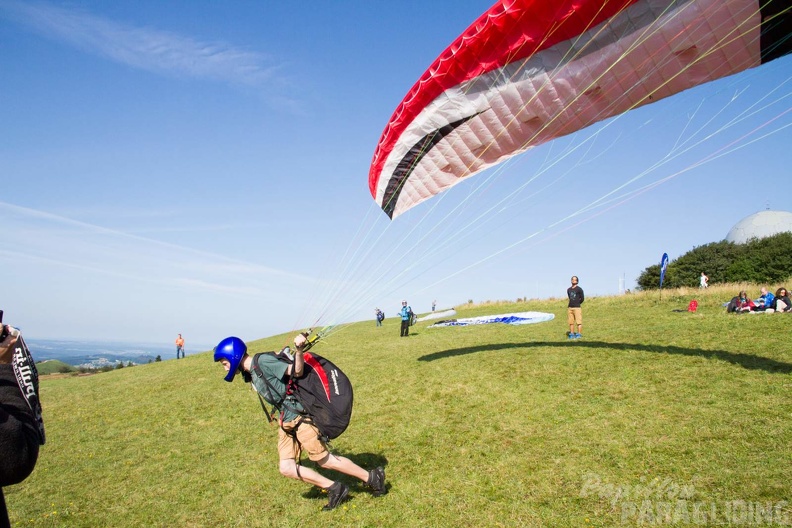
(764, 260)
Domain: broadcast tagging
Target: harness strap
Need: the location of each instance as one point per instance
(282, 405)
(279, 404)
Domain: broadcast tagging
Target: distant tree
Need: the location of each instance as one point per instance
(158, 358)
(742, 270)
(64, 369)
(768, 258)
(130, 364)
(119, 365)
(650, 278)
(764, 260)
(713, 259)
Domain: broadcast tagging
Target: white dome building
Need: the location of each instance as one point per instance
(760, 225)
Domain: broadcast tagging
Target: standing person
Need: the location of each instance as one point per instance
(379, 315)
(434, 305)
(296, 433)
(21, 430)
(406, 316)
(703, 281)
(574, 311)
(179, 346)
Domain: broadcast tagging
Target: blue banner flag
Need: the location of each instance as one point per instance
(663, 267)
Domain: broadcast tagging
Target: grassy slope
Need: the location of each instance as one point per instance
(52, 366)
(481, 426)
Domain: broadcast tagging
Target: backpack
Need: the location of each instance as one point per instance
(28, 380)
(324, 392)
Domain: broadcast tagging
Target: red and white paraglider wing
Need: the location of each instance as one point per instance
(528, 71)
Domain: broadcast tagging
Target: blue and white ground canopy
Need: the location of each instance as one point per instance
(520, 318)
(436, 315)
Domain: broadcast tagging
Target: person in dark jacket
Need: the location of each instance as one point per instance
(574, 311)
(781, 303)
(19, 426)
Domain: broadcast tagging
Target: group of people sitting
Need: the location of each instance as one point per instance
(767, 302)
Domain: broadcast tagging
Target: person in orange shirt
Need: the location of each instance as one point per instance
(179, 346)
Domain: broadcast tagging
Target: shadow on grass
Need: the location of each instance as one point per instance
(365, 460)
(747, 361)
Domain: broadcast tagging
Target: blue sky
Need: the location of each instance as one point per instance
(201, 168)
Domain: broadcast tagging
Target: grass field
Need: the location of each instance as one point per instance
(654, 417)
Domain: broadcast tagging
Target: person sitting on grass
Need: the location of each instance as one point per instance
(781, 303)
(765, 301)
(744, 303)
(740, 303)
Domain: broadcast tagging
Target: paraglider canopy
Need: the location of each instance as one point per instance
(528, 71)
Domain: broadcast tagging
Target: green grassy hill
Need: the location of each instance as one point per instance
(53, 366)
(652, 413)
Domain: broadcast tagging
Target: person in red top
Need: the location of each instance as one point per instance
(740, 304)
(744, 303)
(179, 346)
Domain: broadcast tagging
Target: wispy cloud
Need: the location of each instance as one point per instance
(220, 288)
(57, 240)
(146, 48)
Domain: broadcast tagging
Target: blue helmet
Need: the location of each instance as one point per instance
(232, 349)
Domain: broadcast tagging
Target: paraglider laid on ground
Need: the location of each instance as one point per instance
(520, 318)
(528, 71)
(436, 315)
